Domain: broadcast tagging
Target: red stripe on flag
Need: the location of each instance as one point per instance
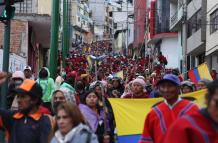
(192, 76)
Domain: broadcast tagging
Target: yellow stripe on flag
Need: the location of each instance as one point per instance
(89, 61)
(89, 49)
(119, 74)
(204, 72)
(130, 113)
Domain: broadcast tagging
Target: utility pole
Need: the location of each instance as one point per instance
(113, 44)
(6, 14)
(6, 52)
(96, 70)
(68, 25)
(81, 27)
(184, 37)
(65, 32)
(127, 30)
(54, 38)
(123, 41)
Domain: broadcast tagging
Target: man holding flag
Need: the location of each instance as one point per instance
(161, 117)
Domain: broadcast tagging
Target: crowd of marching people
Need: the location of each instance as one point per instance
(74, 108)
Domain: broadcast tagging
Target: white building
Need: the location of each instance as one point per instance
(158, 37)
(32, 22)
(97, 8)
(192, 16)
(123, 22)
(81, 21)
(212, 34)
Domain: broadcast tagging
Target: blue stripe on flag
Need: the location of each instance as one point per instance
(197, 74)
(129, 139)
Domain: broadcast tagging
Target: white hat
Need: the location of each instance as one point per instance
(140, 81)
(27, 68)
(18, 74)
(153, 74)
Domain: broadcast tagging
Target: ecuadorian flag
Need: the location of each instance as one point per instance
(130, 114)
(119, 74)
(89, 61)
(201, 72)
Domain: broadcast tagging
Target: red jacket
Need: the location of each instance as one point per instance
(44, 110)
(161, 117)
(195, 128)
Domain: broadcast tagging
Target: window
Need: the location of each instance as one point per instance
(201, 58)
(194, 23)
(199, 14)
(24, 7)
(119, 9)
(115, 25)
(111, 14)
(130, 1)
(214, 21)
(78, 19)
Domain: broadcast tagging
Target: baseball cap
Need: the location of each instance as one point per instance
(171, 78)
(27, 68)
(29, 87)
(18, 74)
(187, 83)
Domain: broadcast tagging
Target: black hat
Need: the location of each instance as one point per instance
(31, 88)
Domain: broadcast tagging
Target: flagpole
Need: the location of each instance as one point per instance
(96, 74)
(104, 107)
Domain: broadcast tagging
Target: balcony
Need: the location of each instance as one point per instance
(176, 19)
(81, 26)
(195, 45)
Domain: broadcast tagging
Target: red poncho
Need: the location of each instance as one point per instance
(195, 128)
(161, 117)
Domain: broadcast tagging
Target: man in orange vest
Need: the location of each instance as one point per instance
(28, 124)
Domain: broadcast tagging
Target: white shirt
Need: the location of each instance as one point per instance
(171, 106)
